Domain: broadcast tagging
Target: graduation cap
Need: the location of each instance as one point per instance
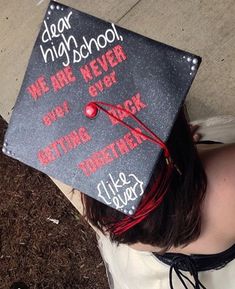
(97, 105)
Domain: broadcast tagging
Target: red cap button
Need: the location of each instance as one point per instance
(91, 110)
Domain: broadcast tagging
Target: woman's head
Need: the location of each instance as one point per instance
(177, 221)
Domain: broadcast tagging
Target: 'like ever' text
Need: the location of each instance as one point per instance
(120, 191)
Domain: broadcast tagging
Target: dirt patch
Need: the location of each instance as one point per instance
(34, 250)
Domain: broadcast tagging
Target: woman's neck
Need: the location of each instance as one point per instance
(213, 237)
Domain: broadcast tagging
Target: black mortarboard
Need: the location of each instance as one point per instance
(86, 81)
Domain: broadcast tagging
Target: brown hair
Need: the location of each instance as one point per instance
(177, 221)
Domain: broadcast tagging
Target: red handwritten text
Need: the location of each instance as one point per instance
(109, 153)
(62, 78)
(63, 145)
(132, 105)
(58, 112)
(38, 88)
(101, 64)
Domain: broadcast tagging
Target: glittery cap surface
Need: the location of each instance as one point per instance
(78, 59)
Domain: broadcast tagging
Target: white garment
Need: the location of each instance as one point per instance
(132, 269)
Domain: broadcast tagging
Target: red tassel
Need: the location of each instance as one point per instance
(154, 197)
(150, 201)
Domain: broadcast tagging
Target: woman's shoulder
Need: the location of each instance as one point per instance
(211, 153)
(219, 165)
(218, 209)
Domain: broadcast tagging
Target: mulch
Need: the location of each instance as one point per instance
(35, 250)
